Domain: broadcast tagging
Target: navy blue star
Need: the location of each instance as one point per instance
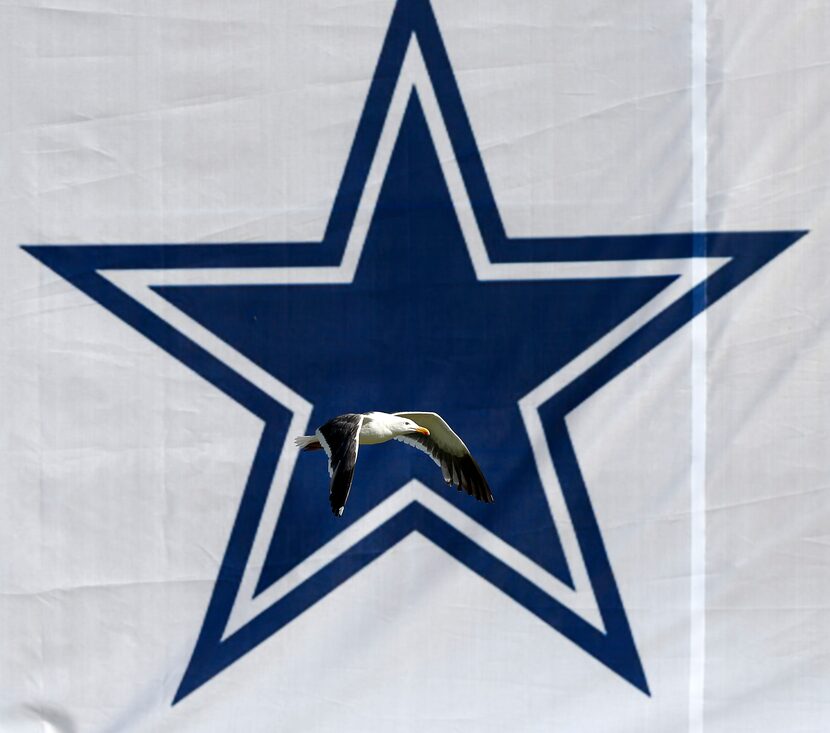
(416, 329)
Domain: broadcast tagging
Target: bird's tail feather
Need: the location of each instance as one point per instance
(307, 442)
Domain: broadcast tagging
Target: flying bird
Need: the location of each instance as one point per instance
(342, 436)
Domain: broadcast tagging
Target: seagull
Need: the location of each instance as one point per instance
(342, 436)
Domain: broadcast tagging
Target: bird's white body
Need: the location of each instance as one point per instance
(378, 427)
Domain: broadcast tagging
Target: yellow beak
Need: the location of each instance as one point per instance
(423, 431)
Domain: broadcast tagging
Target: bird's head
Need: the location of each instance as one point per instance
(407, 426)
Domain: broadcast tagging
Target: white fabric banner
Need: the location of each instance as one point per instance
(593, 238)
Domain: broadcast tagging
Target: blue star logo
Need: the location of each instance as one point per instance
(416, 298)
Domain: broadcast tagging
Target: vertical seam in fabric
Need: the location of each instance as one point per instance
(697, 575)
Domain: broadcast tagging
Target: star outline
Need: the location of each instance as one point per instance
(85, 266)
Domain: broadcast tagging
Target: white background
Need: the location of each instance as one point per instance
(121, 471)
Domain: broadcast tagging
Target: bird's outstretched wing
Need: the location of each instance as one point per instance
(449, 452)
(340, 439)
